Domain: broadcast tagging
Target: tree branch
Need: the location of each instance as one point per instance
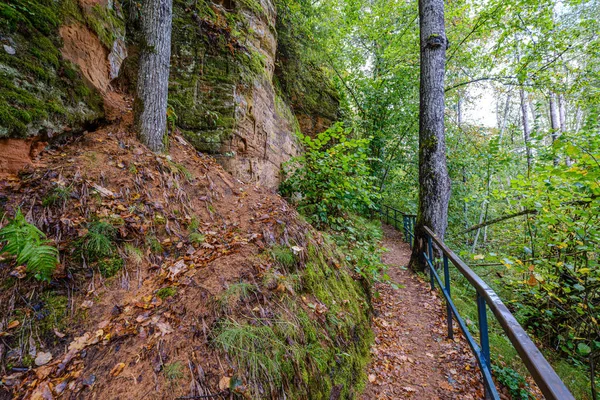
(499, 219)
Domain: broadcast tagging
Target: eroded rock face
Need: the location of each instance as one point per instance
(222, 88)
(83, 48)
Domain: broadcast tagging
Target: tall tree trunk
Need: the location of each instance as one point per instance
(562, 112)
(502, 123)
(554, 122)
(434, 182)
(153, 74)
(526, 129)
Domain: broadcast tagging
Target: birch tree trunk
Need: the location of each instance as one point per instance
(153, 74)
(554, 122)
(502, 123)
(562, 112)
(526, 130)
(434, 190)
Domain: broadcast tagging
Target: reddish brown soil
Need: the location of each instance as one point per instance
(16, 154)
(411, 356)
(122, 335)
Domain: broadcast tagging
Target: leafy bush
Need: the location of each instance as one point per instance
(166, 292)
(332, 179)
(30, 247)
(332, 184)
(513, 381)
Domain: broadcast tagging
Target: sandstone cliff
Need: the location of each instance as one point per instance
(234, 93)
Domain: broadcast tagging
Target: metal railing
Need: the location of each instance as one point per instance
(541, 371)
(388, 214)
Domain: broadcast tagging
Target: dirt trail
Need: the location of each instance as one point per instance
(411, 356)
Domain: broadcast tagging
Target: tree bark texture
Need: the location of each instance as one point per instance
(562, 111)
(153, 74)
(434, 182)
(526, 130)
(555, 127)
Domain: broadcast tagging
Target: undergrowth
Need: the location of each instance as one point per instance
(304, 350)
(507, 365)
(30, 247)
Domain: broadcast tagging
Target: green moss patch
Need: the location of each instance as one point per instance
(39, 90)
(319, 340)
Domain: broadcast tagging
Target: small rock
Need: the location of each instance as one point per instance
(9, 49)
(89, 381)
(43, 358)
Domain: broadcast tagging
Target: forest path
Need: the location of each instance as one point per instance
(411, 356)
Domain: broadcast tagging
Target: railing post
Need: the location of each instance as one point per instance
(448, 308)
(483, 329)
(412, 230)
(430, 253)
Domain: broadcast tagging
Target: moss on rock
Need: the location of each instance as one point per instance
(40, 92)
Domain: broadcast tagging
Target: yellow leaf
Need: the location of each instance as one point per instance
(224, 382)
(13, 324)
(117, 369)
(478, 257)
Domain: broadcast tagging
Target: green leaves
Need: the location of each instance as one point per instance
(30, 247)
(584, 349)
(332, 179)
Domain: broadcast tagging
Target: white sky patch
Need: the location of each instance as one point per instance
(480, 109)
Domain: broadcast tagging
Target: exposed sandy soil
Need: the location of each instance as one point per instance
(82, 47)
(411, 356)
(129, 334)
(16, 154)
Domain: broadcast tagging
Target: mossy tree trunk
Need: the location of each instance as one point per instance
(153, 74)
(434, 182)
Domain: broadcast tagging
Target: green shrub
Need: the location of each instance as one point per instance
(30, 247)
(196, 238)
(173, 371)
(58, 196)
(332, 179)
(513, 381)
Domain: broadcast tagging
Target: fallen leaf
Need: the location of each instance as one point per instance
(117, 369)
(103, 191)
(87, 304)
(13, 324)
(164, 327)
(372, 378)
(224, 382)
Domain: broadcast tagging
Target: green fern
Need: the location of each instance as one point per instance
(99, 242)
(30, 246)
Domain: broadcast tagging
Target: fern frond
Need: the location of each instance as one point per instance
(42, 261)
(30, 246)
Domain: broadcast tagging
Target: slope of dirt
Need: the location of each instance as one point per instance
(209, 287)
(412, 357)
